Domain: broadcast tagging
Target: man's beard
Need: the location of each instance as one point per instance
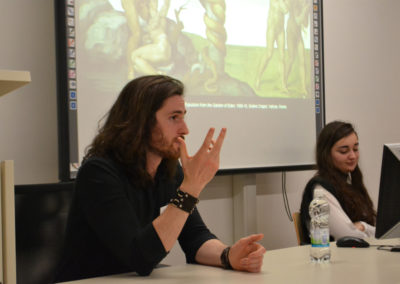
(160, 146)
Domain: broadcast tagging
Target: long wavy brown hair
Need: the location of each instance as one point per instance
(353, 197)
(127, 130)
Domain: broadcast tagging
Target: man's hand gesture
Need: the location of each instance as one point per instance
(201, 168)
(246, 254)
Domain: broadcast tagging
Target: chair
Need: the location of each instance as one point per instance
(298, 229)
(41, 212)
(7, 223)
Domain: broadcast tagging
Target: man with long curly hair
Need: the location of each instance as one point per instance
(130, 171)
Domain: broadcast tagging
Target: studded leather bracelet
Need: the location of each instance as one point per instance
(184, 201)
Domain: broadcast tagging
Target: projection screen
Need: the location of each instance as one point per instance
(254, 66)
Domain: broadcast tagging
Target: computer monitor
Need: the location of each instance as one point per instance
(388, 215)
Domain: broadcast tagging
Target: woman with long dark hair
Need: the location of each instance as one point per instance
(338, 174)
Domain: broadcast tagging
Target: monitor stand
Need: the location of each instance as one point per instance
(394, 232)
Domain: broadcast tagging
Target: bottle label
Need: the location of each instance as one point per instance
(320, 245)
(320, 238)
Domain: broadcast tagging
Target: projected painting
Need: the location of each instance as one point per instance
(253, 66)
(216, 47)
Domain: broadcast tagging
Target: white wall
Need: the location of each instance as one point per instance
(361, 76)
(28, 116)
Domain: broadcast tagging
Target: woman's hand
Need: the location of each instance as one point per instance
(359, 226)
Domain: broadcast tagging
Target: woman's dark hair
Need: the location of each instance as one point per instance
(353, 197)
(127, 130)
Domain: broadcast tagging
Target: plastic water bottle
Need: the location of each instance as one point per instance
(319, 227)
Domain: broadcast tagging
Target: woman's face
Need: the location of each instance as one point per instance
(345, 153)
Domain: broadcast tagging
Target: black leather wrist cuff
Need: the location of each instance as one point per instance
(184, 201)
(225, 258)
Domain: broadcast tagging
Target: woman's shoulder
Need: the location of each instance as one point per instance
(317, 179)
(308, 192)
(323, 182)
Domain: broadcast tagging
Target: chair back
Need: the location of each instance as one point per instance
(298, 229)
(41, 212)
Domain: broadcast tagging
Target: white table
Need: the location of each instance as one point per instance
(289, 265)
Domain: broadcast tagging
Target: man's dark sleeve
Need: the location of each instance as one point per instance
(193, 235)
(102, 196)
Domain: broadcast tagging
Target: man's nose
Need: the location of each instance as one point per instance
(184, 128)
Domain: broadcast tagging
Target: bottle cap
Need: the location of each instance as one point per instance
(319, 192)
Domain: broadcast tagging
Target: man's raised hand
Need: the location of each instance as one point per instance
(201, 168)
